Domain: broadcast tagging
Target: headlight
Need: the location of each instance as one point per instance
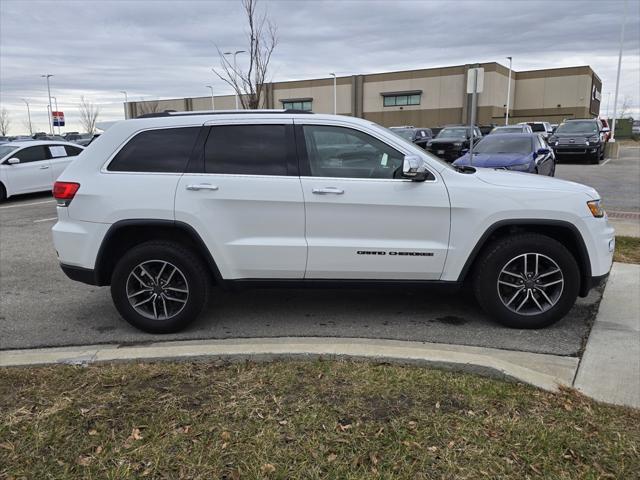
(521, 167)
(594, 139)
(553, 140)
(457, 144)
(429, 143)
(595, 206)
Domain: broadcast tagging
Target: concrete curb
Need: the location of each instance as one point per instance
(543, 371)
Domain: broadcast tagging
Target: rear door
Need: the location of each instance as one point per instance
(362, 220)
(243, 195)
(32, 173)
(61, 156)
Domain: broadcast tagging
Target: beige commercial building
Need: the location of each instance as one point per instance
(430, 97)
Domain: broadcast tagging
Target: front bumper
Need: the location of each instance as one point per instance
(448, 154)
(575, 149)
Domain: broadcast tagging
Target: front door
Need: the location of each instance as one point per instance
(246, 202)
(362, 220)
(33, 173)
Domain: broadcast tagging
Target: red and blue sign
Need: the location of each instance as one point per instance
(58, 119)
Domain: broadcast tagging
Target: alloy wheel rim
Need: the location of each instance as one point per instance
(157, 289)
(530, 284)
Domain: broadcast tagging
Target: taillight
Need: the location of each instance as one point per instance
(64, 192)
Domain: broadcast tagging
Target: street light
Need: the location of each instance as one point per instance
(47, 76)
(615, 97)
(235, 76)
(126, 103)
(506, 117)
(28, 115)
(210, 87)
(335, 94)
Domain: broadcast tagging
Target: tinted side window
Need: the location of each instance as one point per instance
(347, 153)
(72, 151)
(32, 154)
(164, 150)
(246, 150)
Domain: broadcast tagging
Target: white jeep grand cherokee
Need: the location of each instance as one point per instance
(163, 207)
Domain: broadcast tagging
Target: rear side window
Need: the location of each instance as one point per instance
(164, 150)
(72, 151)
(247, 150)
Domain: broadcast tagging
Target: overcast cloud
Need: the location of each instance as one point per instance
(165, 49)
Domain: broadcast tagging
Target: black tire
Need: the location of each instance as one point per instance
(553, 169)
(3, 193)
(183, 308)
(602, 152)
(497, 256)
(595, 158)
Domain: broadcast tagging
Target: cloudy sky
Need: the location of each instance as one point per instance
(164, 49)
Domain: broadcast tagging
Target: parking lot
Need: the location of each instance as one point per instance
(41, 307)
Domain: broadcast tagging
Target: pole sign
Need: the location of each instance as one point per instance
(475, 76)
(58, 119)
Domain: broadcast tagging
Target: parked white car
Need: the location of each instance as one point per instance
(160, 208)
(33, 166)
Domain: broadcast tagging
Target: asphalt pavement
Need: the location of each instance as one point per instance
(40, 307)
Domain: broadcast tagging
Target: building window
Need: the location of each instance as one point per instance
(298, 104)
(401, 99)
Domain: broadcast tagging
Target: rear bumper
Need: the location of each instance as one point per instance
(80, 274)
(593, 282)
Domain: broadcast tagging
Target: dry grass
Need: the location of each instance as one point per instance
(627, 250)
(294, 420)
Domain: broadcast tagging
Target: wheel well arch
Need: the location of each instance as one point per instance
(126, 234)
(564, 232)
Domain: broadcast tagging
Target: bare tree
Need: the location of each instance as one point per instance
(625, 108)
(149, 106)
(88, 115)
(249, 84)
(29, 127)
(5, 122)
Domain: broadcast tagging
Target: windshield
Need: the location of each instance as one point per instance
(405, 133)
(507, 130)
(6, 149)
(578, 127)
(537, 127)
(452, 133)
(499, 144)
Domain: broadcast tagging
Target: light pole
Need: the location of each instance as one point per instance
(235, 75)
(335, 94)
(28, 116)
(506, 117)
(126, 103)
(210, 87)
(47, 76)
(55, 102)
(615, 97)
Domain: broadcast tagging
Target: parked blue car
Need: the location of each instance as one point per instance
(522, 152)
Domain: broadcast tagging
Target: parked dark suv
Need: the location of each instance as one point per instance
(451, 141)
(419, 136)
(583, 137)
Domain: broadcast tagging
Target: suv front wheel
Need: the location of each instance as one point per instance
(160, 287)
(527, 281)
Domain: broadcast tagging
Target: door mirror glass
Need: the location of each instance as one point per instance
(414, 168)
(13, 161)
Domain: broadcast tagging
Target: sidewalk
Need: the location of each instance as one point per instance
(610, 367)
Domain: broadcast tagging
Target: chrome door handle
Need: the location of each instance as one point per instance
(325, 190)
(44, 167)
(202, 186)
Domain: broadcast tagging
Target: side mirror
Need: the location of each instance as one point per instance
(542, 151)
(414, 168)
(605, 130)
(13, 161)
(464, 151)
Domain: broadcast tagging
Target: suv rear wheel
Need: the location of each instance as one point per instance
(527, 281)
(160, 287)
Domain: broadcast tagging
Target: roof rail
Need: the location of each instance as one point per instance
(174, 113)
